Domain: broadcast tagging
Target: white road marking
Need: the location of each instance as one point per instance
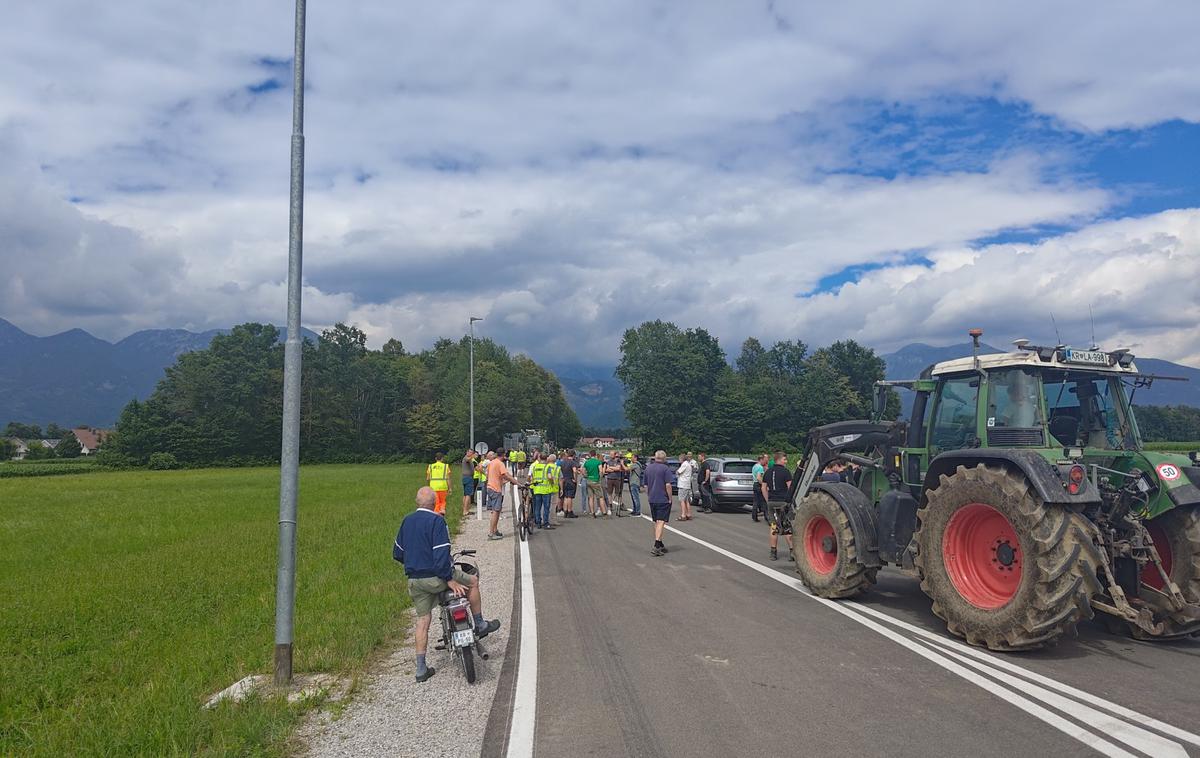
(524, 709)
(964, 661)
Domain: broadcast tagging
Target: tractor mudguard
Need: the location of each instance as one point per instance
(897, 522)
(1044, 476)
(862, 516)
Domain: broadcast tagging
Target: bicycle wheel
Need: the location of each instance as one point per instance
(523, 527)
(468, 664)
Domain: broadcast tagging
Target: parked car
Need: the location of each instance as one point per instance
(732, 482)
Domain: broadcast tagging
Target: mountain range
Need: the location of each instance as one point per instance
(74, 378)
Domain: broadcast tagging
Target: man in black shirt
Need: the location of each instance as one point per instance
(776, 485)
(706, 492)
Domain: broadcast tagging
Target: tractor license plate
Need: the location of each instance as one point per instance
(1092, 357)
(465, 638)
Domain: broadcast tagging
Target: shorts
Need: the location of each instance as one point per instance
(568, 489)
(593, 488)
(777, 516)
(494, 501)
(424, 591)
(468, 483)
(660, 511)
(613, 486)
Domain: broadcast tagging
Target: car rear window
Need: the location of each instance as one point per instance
(737, 467)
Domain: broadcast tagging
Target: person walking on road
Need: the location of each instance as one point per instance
(685, 475)
(614, 477)
(437, 478)
(537, 484)
(657, 478)
(776, 485)
(566, 486)
(595, 495)
(705, 477)
(423, 546)
(468, 481)
(497, 475)
(760, 502)
(553, 486)
(635, 483)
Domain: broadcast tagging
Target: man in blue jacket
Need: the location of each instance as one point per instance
(423, 546)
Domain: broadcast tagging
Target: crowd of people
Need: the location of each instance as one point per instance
(550, 483)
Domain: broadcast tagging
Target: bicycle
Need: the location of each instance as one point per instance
(458, 624)
(525, 515)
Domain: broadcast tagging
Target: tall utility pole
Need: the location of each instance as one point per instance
(289, 462)
(473, 320)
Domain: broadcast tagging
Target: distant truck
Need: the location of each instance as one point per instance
(528, 440)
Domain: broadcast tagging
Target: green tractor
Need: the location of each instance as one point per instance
(1020, 493)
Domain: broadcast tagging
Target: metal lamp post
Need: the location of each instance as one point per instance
(473, 320)
(289, 462)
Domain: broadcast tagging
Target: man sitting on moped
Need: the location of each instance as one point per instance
(423, 546)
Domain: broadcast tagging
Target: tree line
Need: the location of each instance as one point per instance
(681, 392)
(224, 404)
(1168, 423)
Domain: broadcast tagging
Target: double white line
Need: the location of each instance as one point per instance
(1105, 724)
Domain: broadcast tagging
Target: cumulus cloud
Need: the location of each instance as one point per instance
(567, 171)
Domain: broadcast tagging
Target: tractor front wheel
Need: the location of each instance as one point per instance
(1176, 536)
(827, 557)
(1004, 570)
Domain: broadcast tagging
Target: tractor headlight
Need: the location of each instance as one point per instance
(843, 439)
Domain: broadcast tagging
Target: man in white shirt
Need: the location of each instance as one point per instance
(686, 476)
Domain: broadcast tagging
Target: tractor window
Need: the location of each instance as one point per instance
(954, 419)
(1014, 400)
(1086, 410)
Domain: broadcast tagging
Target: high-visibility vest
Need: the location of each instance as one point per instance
(481, 471)
(553, 472)
(537, 478)
(438, 473)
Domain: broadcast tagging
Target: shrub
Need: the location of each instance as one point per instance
(162, 462)
(112, 459)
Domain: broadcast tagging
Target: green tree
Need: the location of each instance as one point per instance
(23, 431)
(37, 451)
(8, 450)
(69, 447)
(670, 377)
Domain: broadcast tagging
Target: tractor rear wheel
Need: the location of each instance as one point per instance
(827, 557)
(1003, 570)
(1176, 536)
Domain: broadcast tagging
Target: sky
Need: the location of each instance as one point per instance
(886, 172)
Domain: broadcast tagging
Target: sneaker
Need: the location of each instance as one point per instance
(487, 628)
(549, 526)
(495, 536)
(664, 549)
(430, 671)
(774, 554)
(657, 551)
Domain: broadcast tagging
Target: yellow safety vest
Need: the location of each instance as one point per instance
(537, 478)
(552, 474)
(481, 473)
(439, 476)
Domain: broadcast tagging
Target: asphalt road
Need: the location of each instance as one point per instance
(715, 652)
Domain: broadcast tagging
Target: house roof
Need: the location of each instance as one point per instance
(89, 437)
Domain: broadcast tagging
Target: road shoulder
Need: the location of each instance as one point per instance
(391, 714)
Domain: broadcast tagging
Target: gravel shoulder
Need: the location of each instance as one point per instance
(391, 714)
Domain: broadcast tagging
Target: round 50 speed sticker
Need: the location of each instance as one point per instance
(1168, 472)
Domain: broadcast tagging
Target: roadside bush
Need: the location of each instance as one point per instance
(48, 468)
(162, 462)
(112, 459)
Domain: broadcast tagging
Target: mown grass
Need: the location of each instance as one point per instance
(129, 597)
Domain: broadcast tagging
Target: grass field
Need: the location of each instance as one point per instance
(1178, 447)
(129, 597)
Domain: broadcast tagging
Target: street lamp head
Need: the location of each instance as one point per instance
(476, 318)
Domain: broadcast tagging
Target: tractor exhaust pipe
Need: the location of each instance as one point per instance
(975, 335)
